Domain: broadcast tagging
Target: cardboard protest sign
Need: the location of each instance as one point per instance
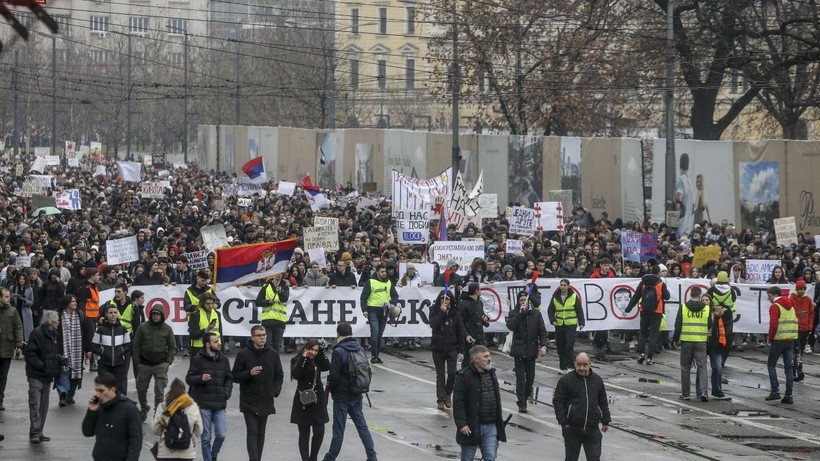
(639, 246)
(317, 255)
(324, 221)
(705, 254)
(488, 205)
(549, 216)
(286, 188)
(197, 259)
(522, 221)
(326, 237)
(119, 251)
(152, 190)
(514, 246)
(785, 231)
(214, 237)
(759, 270)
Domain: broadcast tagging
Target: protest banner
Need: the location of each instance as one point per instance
(152, 190)
(23, 261)
(315, 311)
(197, 259)
(158, 159)
(522, 221)
(242, 189)
(39, 165)
(462, 252)
(759, 270)
(425, 271)
(131, 171)
(488, 205)
(414, 193)
(68, 199)
(52, 160)
(99, 170)
(325, 221)
(412, 226)
(286, 188)
(705, 254)
(214, 237)
(180, 166)
(326, 237)
(639, 246)
(514, 246)
(548, 216)
(119, 251)
(785, 231)
(317, 255)
(364, 202)
(46, 180)
(31, 188)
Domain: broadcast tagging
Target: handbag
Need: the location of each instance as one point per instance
(308, 396)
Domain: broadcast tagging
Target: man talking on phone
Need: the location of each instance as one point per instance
(211, 384)
(203, 320)
(113, 419)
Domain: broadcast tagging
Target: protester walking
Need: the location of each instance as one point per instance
(153, 350)
(447, 343)
(114, 421)
(692, 325)
(309, 410)
(652, 295)
(112, 344)
(567, 316)
(529, 342)
(782, 335)
(43, 363)
(177, 400)
(379, 295)
(211, 384)
(11, 339)
(804, 308)
(273, 298)
(74, 346)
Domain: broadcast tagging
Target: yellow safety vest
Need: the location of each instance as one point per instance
(379, 293)
(565, 312)
(126, 316)
(204, 321)
(695, 325)
(277, 310)
(786, 325)
(725, 300)
(194, 298)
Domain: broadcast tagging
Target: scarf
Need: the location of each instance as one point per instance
(73, 343)
(181, 402)
(721, 332)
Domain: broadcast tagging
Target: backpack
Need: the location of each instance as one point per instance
(652, 297)
(358, 372)
(178, 432)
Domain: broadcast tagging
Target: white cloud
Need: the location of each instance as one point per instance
(765, 186)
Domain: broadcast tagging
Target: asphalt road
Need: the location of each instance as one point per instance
(648, 419)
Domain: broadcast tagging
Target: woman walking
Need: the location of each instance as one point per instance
(177, 399)
(22, 298)
(447, 342)
(306, 368)
(73, 345)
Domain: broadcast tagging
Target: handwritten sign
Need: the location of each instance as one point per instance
(639, 246)
(122, 250)
(152, 190)
(549, 216)
(759, 270)
(462, 252)
(244, 201)
(413, 226)
(324, 221)
(522, 221)
(325, 237)
(488, 206)
(214, 237)
(197, 259)
(785, 231)
(514, 246)
(32, 188)
(317, 255)
(23, 261)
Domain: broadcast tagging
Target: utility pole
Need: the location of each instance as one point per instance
(185, 115)
(15, 83)
(331, 105)
(54, 97)
(456, 82)
(238, 107)
(128, 107)
(669, 99)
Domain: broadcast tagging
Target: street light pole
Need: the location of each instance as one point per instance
(456, 81)
(185, 115)
(331, 105)
(669, 97)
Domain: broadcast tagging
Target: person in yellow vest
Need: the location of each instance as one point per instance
(782, 334)
(378, 296)
(724, 297)
(205, 319)
(273, 299)
(692, 326)
(566, 315)
(192, 298)
(130, 316)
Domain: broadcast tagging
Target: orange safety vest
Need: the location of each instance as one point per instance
(92, 304)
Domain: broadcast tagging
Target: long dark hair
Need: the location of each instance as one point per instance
(176, 389)
(310, 344)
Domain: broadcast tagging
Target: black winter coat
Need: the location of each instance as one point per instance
(212, 394)
(467, 405)
(449, 334)
(303, 370)
(118, 428)
(256, 393)
(41, 353)
(581, 402)
(529, 333)
(472, 311)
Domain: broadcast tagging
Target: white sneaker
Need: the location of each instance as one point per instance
(562, 372)
(633, 345)
(807, 350)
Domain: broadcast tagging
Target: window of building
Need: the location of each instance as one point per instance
(99, 57)
(138, 24)
(354, 73)
(354, 21)
(178, 27)
(410, 74)
(99, 24)
(411, 21)
(383, 20)
(382, 74)
(63, 23)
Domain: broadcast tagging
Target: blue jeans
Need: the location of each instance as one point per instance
(378, 322)
(785, 349)
(217, 417)
(340, 411)
(489, 444)
(716, 361)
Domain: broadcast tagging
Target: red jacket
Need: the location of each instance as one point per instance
(774, 314)
(596, 274)
(804, 310)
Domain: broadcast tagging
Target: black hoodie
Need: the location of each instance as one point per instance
(154, 343)
(645, 294)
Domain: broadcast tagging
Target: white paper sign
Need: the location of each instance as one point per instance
(785, 231)
(119, 251)
(23, 261)
(324, 221)
(522, 221)
(32, 188)
(197, 259)
(317, 255)
(99, 170)
(548, 216)
(425, 271)
(325, 237)
(514, 246)
(41, 151)
(180, 166)
(412, 226)
(152, 190)
(462, 252)
(131, 171)
(286, 188)
(488, 204)
(74, 162)
(244, 201)
(39, 165)
(759, 270)
(214, 237)
(52, 160)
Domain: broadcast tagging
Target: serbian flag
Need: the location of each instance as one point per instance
(246, 263)
(255, 169)
(308, 186)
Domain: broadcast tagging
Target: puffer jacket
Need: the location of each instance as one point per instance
(112, 343)
(214, 393)
(11, 331)
(42, 361)
(449, 334)
(580, 401)
(256, 393)
(529, 333)
(320, 280)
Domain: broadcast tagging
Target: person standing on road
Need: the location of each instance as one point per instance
(782, 335)
(177, 400)
(529, 341)
(211, 384)
(43, 364)
(378, 296)
(11, 339)
(307, 367)
(112, 344)
(471, 309)
(567, 316)
(114, 421)
(88, 301)
(580, 404)
(652, 295)
(273, 298)
(153, 349)
(74, 346)
(203, 320)
(723, 296)
(692, 326)
(477, 407)
(447, 343)
(345, 402)
(258, 370)
(804, 308)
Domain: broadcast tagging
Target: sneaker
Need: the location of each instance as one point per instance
(441, 406)
(522, 408)
(808, 350)
(719, 396)
(62, 399)
(44, 438)
(144, 412)
(641, 358)
(650, 362)
(376, 360)
(93, 367)
(760, 344)
(34, 439)
(704, 398)
(773, 396)
(684, 397)
(787, 399)
(800, 376)
(186, 352)
(623, 341)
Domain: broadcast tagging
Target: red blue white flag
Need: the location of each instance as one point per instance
(246, 263)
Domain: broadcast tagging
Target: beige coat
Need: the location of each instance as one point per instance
(194, 421)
